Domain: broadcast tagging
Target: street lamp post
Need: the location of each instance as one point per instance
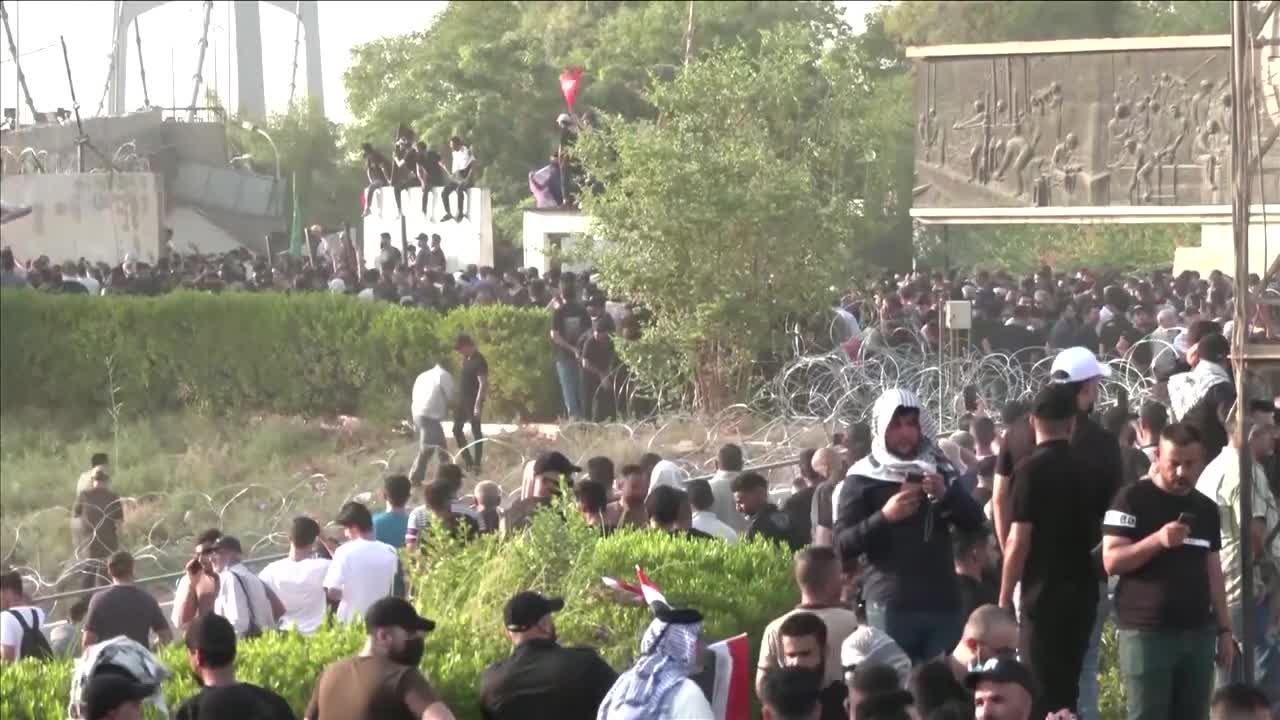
(274, 151)
(254, 128)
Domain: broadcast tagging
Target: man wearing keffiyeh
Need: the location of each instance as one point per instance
(897, 507)
(658, 687)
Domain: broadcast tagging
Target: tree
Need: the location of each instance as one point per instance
(488, 71)
(729, 214)
(309, 146)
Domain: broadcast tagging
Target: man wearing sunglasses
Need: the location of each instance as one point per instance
(198, 588)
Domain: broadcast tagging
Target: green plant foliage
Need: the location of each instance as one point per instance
(739, 588)
(732, 210)
(290, 354)
(489, 71)
(1125, 248)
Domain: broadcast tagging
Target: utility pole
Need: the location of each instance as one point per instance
(1241, 90)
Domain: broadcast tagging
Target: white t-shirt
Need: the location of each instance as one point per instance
(432, 394)
(364, 571)
(11, 631)
(687, 702)
(461, 159)
(242, 598)
(300, 586)
(708, 523)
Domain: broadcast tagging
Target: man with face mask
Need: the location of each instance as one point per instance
(897, 507)
(542, 679)
(383, 681)
(1162, 539)
(211, 652)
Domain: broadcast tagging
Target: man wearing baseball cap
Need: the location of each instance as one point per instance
(1097, 454)
(1002, 690)
(112, 696)
(383, 681)
(542, 679)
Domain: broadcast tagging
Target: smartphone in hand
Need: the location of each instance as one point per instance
(1186, 518)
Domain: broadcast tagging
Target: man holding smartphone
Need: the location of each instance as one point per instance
(1162, 539)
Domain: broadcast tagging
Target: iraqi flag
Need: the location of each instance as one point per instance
(730, 694)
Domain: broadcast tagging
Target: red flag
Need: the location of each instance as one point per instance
(731, 698)
(569, 81)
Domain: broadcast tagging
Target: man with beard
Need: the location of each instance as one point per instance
(383, 681)
(804, 645)
(542, 679)
(1162, 541)
(211, 651)
(897, 507)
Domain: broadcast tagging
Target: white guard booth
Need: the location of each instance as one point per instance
(550, 237)
(469, 242)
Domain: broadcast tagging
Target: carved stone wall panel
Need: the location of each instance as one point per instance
(1135, 128)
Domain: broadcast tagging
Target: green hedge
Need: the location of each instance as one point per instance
(291, 354)
(740, 588)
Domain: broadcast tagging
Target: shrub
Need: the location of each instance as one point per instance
(290, 354)
(739, 588)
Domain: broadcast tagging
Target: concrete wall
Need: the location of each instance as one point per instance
(549, 234)
(469, 242)
(1217, 250)
(195, 233)
(99, 216)
(199, 142)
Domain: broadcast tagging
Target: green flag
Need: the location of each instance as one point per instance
(296, 232)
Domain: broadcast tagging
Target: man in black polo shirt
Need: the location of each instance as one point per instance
(541, 679)
(1162, 540)
(764, 519)
(1049, 550)
(473, 386)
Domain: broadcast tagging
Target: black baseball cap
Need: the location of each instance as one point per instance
(107, 691)
(227, 542)
(554, 462)
(396, 612)
(1002, 669)
(525, 609)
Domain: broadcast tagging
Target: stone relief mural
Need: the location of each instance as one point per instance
(1131, 128)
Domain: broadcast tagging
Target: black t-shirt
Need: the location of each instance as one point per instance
(832, 700)
(469, 382)
(1096, 450)
(798, 508)
(1171, 592)
(1064, 525)
(570, 320)
(976, 593)
(241, 701)
(429, 165)
(774, 524)
(598, 351)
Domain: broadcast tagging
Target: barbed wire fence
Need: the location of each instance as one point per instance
(812, 396)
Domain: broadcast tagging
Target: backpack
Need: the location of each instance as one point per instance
(33, 645)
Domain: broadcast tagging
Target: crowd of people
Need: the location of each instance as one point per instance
(966, 576)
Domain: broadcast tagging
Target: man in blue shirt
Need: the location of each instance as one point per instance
(389, 526)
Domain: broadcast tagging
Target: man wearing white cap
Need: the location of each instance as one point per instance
(1098, 452)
